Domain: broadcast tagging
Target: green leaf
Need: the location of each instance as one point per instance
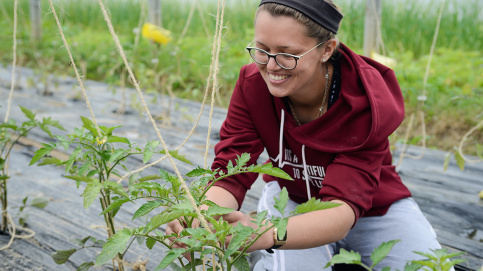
(345, 257)
(117, 139)
(84, 168)
(146, 208)
(268, 169)
(149, 178)
(150, 242)
(116, 188)
(82, 242)
(4, 177)
(114, 245)
(282, 201)
(281, 224)
(241, 234)
(242, 264)
(242, 160)
(80, 178)
(61, 256)
(149, 150)
(53, 123)
(41, 153)
(40, 202)
(49, 161)
(115, 204)
(164, 217)
(114, 156)
(72, 158)
(313, 205)
(2, 163)
(90, 193)
(172, 255)
(28, 113)
(217, 210)
(447, 158)
(382, 251)
(459, 160)
(89, 125)
(199, 171)
(178, 156)
(85, 266)
(64, 142)
(412, 266)
(46, 129)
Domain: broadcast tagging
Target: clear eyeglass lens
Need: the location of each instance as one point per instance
(286, 61)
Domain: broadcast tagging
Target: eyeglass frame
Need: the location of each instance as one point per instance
(274, 56)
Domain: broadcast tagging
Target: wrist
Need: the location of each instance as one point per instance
(278, 240)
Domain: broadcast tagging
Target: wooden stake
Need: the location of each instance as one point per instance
(35, 20)
(372, 26)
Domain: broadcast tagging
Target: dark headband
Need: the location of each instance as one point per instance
(319, 11)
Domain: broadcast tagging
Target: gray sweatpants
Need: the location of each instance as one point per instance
(403, 221)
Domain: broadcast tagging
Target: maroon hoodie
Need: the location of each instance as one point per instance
(343, 155)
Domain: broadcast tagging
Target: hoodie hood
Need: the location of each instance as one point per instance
(370, 107)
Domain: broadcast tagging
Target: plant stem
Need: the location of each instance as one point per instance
(4, 205)
(193, 266)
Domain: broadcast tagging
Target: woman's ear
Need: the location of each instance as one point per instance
(328, 50)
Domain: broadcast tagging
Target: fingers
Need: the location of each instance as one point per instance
(234, 217)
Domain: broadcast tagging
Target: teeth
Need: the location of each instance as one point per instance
(277, 77)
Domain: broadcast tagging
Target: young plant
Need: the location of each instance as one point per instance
(438, 261)
(10, 134)
(96, 158)
(200, 243)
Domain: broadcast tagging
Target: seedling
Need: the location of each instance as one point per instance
(10, 134)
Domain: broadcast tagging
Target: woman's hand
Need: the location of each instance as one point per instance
(176, 227)
(265, 241)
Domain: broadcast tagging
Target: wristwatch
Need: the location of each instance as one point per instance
(276, 241)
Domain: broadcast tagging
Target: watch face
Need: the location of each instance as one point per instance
(276, 239)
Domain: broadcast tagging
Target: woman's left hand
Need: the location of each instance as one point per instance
(265, 241)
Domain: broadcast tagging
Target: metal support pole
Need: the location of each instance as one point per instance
(372, 27)
(35, 20)
(155, 13)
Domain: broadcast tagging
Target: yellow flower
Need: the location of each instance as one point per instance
(156, 33)
(101, 141)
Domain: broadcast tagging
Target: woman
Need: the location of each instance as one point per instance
(324, 115)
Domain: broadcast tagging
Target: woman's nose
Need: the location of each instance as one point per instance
(272, 64)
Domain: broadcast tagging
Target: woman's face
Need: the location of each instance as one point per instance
(284, 34)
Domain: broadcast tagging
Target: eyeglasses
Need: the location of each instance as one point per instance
(286, 61)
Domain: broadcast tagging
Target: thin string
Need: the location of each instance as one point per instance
(14, 62)
(66, 45)
(205, 97)
(422, 98)
(215, 67)
(138, 89)
(13, 232)
(188, 21)
(465, 137)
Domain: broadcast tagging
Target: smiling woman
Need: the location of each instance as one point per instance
(323, 114)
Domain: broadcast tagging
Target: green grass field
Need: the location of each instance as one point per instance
(454, 89)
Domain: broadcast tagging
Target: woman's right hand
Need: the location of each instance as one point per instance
(176, 227)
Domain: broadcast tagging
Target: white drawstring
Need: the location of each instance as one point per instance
(280, 146)
(309, 196)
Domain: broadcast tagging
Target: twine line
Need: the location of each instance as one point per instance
(146, 109)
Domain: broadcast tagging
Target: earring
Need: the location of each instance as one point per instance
(323, 60)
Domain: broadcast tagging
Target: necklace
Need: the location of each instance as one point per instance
(321, 108)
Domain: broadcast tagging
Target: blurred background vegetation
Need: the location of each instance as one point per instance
(455, 83)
